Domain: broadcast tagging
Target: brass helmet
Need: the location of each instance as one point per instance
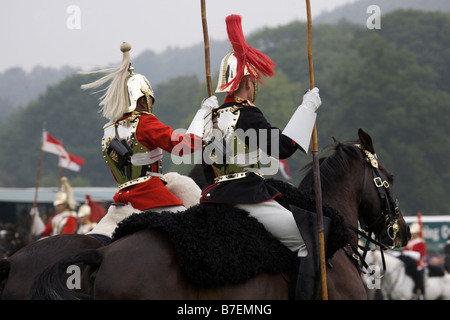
(125, 89)
(85, 209)
(65, 194)
(137, 87)
(242, 61)
(227, 72)
(414, 228)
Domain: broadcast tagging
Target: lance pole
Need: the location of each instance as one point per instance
(37, 182)
(206, 45)
(316, 168)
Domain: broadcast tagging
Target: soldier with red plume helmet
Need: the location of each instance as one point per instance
(232, 163)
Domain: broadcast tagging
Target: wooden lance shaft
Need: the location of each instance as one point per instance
(206, 44)
(316, 168)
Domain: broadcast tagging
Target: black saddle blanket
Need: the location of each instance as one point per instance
(218, 244)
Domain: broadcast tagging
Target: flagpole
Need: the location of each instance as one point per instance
(38, 173)
(316, 168)
(59, 176)
(37, 182)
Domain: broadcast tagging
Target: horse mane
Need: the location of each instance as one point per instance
(332, 167)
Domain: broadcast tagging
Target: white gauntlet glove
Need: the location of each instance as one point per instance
(311, 100)
(34, 211)
(202, 116)
(37, 226)
(301, 124)
(210, 103)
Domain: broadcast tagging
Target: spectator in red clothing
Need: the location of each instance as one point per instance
(417, 249)
(64, 220)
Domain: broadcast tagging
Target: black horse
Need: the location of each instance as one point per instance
(146, 264)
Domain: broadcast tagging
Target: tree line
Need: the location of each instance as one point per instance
(391, 82)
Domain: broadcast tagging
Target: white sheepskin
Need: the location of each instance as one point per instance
(108, 223)
(184, 188)
(181, 186)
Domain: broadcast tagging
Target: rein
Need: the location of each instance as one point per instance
(389, 212)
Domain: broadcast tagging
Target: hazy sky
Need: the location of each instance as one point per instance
(83, 33)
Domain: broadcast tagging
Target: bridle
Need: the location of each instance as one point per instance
(389, 207)
(389, 214)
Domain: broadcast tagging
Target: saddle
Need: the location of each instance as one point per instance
(218, 244)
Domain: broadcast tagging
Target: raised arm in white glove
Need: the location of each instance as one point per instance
(311, 100)
(34, 211)
(203, 114)
(210, 103)
(37, 226)
(301, 124)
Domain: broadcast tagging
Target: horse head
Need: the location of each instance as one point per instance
(358, 185)
(379, 211)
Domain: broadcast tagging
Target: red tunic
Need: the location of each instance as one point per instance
(153, 193)
(417, 245)
(70, 226)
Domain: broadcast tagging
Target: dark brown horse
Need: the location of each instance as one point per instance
(145, 265)
(18, 271)
(363, 194)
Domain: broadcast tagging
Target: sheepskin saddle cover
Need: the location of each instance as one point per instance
(218, 244)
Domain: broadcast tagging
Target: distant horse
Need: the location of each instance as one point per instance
(12, 238)
(145, 265)
(19, 270)
(447, 255)
(396, 284)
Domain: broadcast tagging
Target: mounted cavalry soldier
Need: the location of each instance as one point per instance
(232, 160)
(133, 144)
(416, 249)
(64, 221)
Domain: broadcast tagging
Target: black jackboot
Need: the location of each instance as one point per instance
(305, 278)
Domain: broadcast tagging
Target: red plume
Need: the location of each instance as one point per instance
(97, 211)
(257, 62)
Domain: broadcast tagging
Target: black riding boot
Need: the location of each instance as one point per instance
(305, 278)
(420, 284)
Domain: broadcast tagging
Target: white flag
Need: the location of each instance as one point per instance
(71, 162)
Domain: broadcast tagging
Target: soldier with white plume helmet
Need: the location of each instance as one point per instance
(64, 221)
(133, 145)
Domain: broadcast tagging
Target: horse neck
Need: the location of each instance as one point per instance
(344, 197)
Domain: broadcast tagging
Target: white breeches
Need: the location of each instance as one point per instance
(280, 222)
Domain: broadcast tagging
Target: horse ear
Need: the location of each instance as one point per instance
(366, 140)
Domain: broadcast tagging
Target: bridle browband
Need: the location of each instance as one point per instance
(389, 215)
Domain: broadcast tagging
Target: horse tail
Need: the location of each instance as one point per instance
(49, 284)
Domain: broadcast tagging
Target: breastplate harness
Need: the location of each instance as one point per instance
(130, 161)
(227, 152)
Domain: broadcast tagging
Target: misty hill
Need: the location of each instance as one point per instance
(357, 12)
(18, 87)
(392, 82)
